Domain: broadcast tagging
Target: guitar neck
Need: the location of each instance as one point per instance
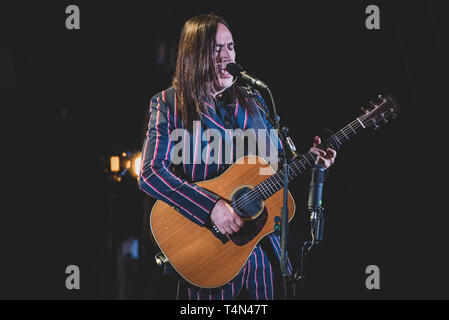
(302, 163)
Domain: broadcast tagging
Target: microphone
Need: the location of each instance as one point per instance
(316, 187)
(237, 71)
(315, 201)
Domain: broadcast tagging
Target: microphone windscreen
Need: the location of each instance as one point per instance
(234, 69)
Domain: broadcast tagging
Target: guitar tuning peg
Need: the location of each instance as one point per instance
(385, 121)
(379, 96)
(364, 110)
(376, 126)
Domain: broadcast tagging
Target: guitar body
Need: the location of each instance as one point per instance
(206, 261)
(195, 252)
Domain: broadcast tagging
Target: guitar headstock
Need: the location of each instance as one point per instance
(380, 111)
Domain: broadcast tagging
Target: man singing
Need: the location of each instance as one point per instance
(205, 96)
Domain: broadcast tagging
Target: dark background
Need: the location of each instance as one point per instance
(72, 98)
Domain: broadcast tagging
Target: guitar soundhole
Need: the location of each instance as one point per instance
(246, 205)
(251, 208)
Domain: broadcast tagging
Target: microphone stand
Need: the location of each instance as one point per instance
(286, 277)
(286, 143)
(316, 211)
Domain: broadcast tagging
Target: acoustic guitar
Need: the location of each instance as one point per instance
(208, 259)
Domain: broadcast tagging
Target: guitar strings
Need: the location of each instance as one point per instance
(269, 186)
(343, 133)
(253, 194)
(265, 186)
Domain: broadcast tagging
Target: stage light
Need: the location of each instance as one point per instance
(114, 164)
(136, 161)
(124, 163)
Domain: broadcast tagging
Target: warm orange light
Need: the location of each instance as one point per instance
(137, 160)
(115, 164)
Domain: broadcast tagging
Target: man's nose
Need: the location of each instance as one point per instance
(225, 54)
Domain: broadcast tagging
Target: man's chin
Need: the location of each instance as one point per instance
(227, 83)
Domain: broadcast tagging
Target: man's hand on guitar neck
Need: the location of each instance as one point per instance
(225, 218)
(325, 158)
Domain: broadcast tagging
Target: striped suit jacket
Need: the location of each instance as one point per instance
(176, 184)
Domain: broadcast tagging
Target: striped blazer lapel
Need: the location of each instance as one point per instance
(241, 114)
(213, 121)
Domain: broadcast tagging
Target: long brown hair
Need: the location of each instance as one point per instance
(195, 72)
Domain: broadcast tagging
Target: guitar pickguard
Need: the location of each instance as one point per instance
(250, 229)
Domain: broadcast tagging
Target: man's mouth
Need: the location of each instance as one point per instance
(225, 73)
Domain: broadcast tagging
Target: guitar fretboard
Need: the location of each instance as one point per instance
(301, 164)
